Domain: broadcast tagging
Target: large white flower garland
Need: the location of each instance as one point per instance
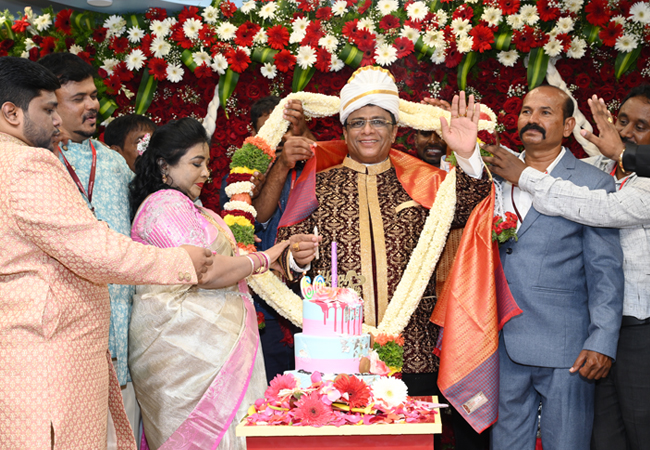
(424, 258)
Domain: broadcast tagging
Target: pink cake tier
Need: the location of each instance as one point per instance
(332, 311)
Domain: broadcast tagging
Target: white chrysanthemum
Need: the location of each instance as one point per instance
(43, 22)
(160, 47)
(508, 58)
(434, 38)
(226, 31)
(515, 21)
(261, 37)
(385, 7)
(116, 25)
(366, 23)
(160, 28)
(329, 43)
(385, 54)
(171, 21)
(306, 57)
(248, 7)
(390, 391)
(640, 12)
(210, 14)
(269, 70)
(135, 60)
(246, 50)
(340, 8)
(564, 25)
(336, 64)
(296, 37)
(626, 43)
(75, 49)
(465, 44)
(460, 27)
(109, 65)
(573, 6)
(417, 10)
(29, 12)
(492, 16)
(174, 73)
(268, 11)
(219, 64)
(135, 34)
(410, 33)
(201, 57)
(529, 14)
(379, 40)
(438, 56)
(553, 48)
(191, 28)
(577, 49)
(300, 24)
(25, 54)
(29, 44)
(441, 17)
(618, 19)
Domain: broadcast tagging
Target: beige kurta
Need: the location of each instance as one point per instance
(55, 262)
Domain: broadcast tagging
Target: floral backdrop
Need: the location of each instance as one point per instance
(170, 66)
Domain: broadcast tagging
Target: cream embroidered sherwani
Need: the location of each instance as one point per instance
(55, 262)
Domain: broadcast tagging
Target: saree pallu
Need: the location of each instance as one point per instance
(195, 361)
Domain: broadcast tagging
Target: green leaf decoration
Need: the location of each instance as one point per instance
(625, 60)
(537, 65)
(148, 86)
(591, 33)
(243, 234)
(301, 77)
(351, 56)
(263, 55)
(9, 32)
(227, 84)
(463, 69)
(251, 157)
(81, 20)
(188, 60)
(502, 40)
(136, 20)
(106, 108)
(422, 50)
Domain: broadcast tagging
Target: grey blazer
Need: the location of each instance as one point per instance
(568, 280)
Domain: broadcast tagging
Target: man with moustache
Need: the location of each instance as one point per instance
(102, 176)
(567, 279)
(621, 411)
(57, 382)
(430, 147)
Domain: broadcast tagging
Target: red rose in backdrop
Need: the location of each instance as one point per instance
(512, 105)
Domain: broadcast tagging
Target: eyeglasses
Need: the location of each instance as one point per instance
(358, 124)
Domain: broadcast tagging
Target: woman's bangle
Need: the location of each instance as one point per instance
(252, 265)
(267, 259)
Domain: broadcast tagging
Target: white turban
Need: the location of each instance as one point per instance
(369, 85)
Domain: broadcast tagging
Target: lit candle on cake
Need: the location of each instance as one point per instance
(335, 277)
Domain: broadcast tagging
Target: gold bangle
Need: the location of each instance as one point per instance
(620, 161)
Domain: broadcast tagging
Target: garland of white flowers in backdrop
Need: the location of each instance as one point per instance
(258, 153)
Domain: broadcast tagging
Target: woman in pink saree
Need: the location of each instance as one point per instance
(194, 352)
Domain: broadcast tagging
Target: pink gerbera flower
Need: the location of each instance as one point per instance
(312, 411)
(279, 383)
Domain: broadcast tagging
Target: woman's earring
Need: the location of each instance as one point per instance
(164, 178)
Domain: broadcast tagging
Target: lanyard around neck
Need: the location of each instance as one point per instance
(613, 173)
(91, 180)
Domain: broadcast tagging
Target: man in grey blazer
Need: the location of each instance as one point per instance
(568, 281)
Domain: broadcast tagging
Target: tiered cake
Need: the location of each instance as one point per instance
(331, 340)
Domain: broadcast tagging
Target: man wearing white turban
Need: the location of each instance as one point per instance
(366, 206)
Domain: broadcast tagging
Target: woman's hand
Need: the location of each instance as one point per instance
(274, 252)
(303, 247)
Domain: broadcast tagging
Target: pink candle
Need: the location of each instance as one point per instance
(335, 278)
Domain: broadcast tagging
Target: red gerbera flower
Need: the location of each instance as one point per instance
(368, 58)
(113, 84)
(310, 410)
(157, 68)
(509, 6)
(323, 60)
(365, 40)
(122, 72)
(145, 45)
(277, 384)
(278, 37)
(284, 60)
(598, 13)
(523, 39)
(453, 56)
(228, 8)
(245, 33)
(463, 12)
(324, 13)
(305, 5)
(363, 8)
(156, 14)
(546, 11)
(118, 44)
(206, 35)
(189, 12)
(238, 60)
(38, 40)
(19, 25)
(350, 28)
(415, 24)
(611, 33)
(404, 46)
(99, 35)
(47, 46)
(62, 22)
(358, 392)
(313, 33)
(389, 22)
(86, 57)
(483, 38)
